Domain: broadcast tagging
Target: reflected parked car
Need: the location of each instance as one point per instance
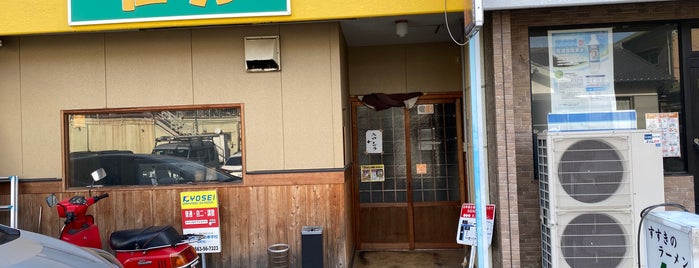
(143, 169)
(20, 248)
(234, 164)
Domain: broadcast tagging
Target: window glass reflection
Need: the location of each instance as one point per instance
(154, 147)
(646, 75)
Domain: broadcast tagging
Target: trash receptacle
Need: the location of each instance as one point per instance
(278, 255)
(312, 247)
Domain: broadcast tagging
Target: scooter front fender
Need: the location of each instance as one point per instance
(85, 234)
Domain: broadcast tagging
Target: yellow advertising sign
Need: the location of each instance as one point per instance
(373, 173)
(199, 199)
(200, 216)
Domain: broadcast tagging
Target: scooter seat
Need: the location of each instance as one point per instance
(143, 238)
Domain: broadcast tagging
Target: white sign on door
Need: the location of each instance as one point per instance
(374, 142)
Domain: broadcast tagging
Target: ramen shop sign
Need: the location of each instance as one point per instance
(88, 12)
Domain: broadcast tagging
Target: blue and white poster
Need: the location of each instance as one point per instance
(581, 70)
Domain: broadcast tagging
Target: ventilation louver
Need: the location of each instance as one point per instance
(262, 54)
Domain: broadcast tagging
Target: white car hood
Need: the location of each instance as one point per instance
(35, 250)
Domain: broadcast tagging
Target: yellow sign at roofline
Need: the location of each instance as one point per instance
(42, 17)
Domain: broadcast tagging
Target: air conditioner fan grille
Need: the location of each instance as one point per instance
(594, 240)
(590, 171)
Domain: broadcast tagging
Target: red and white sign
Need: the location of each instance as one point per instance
(200, 218)
(466, 232)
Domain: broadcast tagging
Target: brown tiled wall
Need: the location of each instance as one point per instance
(508, 90)
(499, 109)
(678, 190)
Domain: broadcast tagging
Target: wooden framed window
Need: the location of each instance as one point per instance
(153, 145)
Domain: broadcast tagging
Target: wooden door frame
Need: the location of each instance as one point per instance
(432, 98)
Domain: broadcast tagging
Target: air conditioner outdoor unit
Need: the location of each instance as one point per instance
(592, 187)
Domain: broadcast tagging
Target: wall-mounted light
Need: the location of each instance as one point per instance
(401, 28)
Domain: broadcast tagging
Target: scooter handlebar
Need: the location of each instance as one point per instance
(99, 197)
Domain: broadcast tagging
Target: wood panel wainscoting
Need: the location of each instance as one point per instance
(266, 209)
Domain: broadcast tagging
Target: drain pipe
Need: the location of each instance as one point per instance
(477, 134)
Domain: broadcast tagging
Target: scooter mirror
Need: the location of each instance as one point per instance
(51, 200)
(98, 174)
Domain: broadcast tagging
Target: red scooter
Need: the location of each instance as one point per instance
(155, 246)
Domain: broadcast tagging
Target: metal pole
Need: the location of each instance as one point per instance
(14, 184)
(471, 263)
(479, 169)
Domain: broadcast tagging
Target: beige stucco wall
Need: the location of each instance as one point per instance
(293, 118)
(428, 68)
(10, 109)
